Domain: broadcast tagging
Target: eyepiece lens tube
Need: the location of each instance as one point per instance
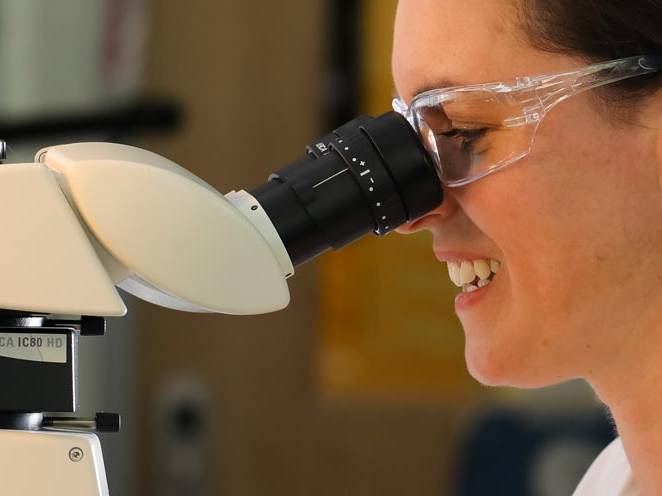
(369, 175)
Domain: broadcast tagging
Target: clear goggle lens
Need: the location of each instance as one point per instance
(471, 134)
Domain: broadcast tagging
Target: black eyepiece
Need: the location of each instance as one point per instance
(371, 174)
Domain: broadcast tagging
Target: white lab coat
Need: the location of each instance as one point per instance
(609, 475)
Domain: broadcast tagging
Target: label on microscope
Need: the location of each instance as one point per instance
(50, 348)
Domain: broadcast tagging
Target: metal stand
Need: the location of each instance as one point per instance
(40, 454)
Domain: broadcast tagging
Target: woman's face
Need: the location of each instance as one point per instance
(576, 225)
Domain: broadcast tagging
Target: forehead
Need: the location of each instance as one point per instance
(438, 42)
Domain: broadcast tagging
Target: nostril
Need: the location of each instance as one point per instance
(406, 228)
(413, 226)
(447, 208)
(403, 229)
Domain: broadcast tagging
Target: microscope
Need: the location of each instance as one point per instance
(87, 218)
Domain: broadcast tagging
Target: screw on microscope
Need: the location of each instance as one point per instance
(75, 454)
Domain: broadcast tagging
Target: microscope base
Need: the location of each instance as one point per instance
(51, 463)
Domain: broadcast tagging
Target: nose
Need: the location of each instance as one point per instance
(440, 214)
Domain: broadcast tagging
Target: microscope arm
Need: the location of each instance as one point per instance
(91, 216)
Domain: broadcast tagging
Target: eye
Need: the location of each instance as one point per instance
(466, 136)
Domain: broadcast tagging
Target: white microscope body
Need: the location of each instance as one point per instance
(89, 217)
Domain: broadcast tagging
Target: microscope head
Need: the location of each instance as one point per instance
(165, 236)
(88, 217)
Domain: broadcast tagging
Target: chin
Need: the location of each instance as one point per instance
(503, 366)
(487, 370)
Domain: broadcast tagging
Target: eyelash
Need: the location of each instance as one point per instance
(468, 136)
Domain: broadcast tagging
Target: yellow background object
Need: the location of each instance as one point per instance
(386, 314)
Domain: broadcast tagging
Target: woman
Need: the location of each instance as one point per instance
(572, 226)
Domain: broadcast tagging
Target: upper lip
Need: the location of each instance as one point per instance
(444, 255)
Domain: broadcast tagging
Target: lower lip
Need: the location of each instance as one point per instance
(467, 300)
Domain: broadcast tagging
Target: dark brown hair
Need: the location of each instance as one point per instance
(599, 30)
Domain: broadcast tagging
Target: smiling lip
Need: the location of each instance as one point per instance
(457, 256)
(467, 300)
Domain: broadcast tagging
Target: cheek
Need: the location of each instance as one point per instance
(562, 218)
(565, 209)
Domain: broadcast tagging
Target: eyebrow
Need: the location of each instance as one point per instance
(433, 85)
(436, 84)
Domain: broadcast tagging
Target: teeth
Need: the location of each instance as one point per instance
(463, 274)
(495, 265)
(482, 269)
(467, 273)
(454, 273)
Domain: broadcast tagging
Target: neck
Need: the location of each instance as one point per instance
(631, 386)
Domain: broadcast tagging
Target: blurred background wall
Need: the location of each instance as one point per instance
(330, 396)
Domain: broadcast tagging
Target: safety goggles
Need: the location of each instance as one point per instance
(473, 131)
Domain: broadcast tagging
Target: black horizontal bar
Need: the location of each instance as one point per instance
(148, 115)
